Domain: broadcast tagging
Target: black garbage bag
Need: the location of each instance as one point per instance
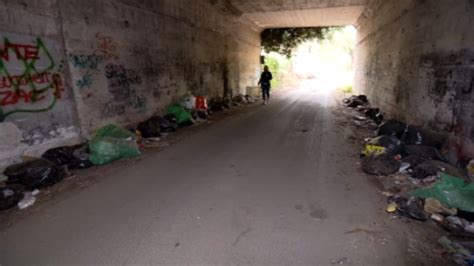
(375, 115)
(59, 156)
(74, 157)
(10, 196)
(168, 124)
(356, 101)
(413, 135)
(413, 160)
(203, 114)
(425, 152)
(432, 167)
(466, 215)
(391, 144)
(34, 174)
(411, 208)
(380, 165)
(150, 128)
(80, 164)
(219, 104)
(392, 127)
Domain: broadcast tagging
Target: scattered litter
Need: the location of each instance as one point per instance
(433, 206)
(383, 145)
(417, 159)
(404, 167)
(451, 192)
(392, 207)
(470, 169)
(28, 200)
(461, 255)
(437, 217)
(460, 226)
(411, 208)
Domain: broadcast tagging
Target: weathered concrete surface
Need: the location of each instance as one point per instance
(415, 60)
(114, 61)
(291, 13)
(276, 185)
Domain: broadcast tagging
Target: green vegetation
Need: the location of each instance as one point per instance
(346, 89)
(284, 40)
(278, 66)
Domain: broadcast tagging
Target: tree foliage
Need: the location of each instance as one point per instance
(284, 40)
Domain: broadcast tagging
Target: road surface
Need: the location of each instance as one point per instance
(272, 185)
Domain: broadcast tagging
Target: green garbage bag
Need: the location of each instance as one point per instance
(451, 191)
(112, 143)
(182, 116)
(114, 131)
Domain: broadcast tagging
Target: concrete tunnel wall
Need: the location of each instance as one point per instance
(111, 61)
(415, 60)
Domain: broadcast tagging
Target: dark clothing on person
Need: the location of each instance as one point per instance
(265, 93)
(265, 83)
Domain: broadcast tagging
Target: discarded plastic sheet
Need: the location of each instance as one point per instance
(373, 150)
(27, 201)
(391, 145)
(460, 226)
(112, 143)
(433, 206)
(181, 115)
(201, 103)
(451, 191)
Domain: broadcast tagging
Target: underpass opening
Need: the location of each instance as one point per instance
(319, 58)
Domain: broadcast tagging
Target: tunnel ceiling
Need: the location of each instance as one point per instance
(300, 13)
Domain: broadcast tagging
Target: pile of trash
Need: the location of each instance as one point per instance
(109, 143)
(440, 191)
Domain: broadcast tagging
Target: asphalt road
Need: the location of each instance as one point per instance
(274, 185)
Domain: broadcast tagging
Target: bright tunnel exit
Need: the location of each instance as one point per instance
(323, 62)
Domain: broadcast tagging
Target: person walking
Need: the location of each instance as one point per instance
(265, 83)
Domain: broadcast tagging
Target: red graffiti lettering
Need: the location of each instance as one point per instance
(11, 93)
(22, 51)
(22, 80)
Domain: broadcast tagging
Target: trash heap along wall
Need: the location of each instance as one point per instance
(415, 59)
(68, 67)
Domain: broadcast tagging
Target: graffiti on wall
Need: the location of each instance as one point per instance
(29, 77)
(88, 64)
(106, 47)
(120, 81)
